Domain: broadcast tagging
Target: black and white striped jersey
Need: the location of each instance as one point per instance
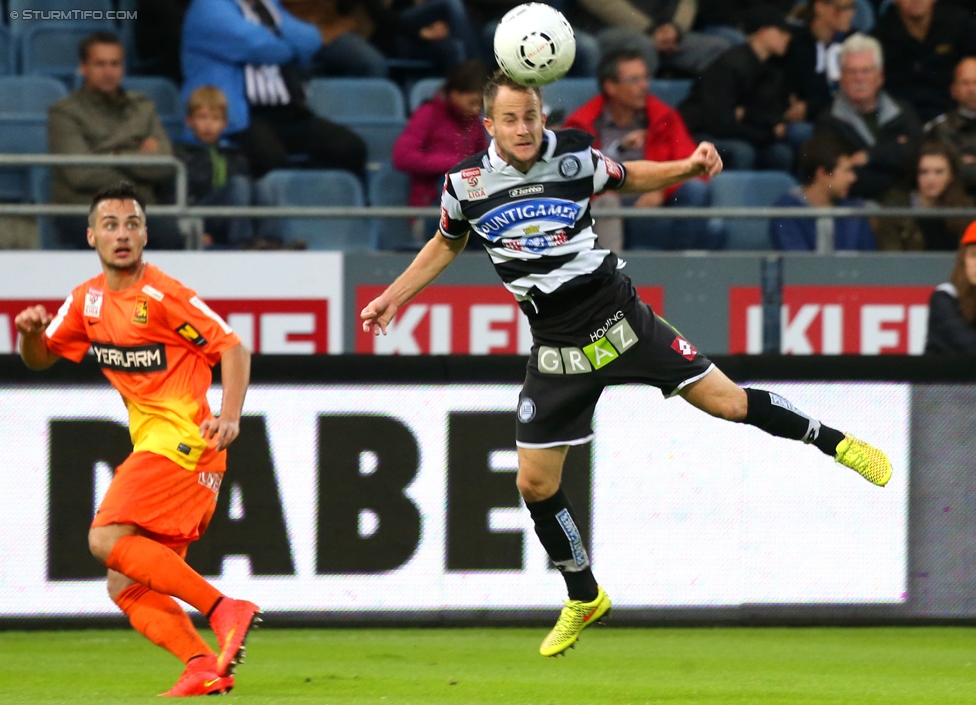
(537, 226)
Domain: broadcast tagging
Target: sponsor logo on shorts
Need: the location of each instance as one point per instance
(192, 335)
(526, 191)
(526, 410)
(141, 315)
(134, 358)
(684, 348)
(615, 341)
(210, 480)
(569, 167)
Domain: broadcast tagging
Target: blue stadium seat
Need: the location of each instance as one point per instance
(749, 188)
(864, 18)
(389, 187)
(347, 99)
(51, 48)
(164, 94)
(567, 94)
(29, 94)
(671, 90)
(287, 187)
(379, 138)
(20, 134)
(22, 26)
(423, 90)
(8, 52)
(40, 192)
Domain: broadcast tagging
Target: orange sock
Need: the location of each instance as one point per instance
(158, 568)
(162, 621)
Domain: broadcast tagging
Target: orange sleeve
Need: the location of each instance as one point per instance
(202, 330)
(66, 335)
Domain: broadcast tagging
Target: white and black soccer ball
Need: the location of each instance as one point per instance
(534, 44)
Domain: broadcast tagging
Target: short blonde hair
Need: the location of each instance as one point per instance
(207, 97)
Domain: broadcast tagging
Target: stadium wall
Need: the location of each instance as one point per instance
(368, 491)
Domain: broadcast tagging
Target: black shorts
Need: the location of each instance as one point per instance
(613, 338)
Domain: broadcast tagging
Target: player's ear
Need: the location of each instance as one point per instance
(489, 125)
(90, 236)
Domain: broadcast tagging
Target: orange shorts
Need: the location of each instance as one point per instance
(172, 505)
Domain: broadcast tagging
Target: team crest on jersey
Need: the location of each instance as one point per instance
(93, 303)
(684, 348)
(569, 166)
(141, 315)
(192, 335)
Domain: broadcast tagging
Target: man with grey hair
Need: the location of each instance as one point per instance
(885, 132)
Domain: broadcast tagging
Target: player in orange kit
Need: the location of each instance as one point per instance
(156, 341)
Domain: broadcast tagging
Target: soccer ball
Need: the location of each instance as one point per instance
(534, 44)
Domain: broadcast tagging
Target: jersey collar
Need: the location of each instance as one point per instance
(500, 165)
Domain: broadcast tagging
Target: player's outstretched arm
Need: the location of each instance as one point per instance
(235, 373)
(651, 176)
(31, 323)
(433, 259)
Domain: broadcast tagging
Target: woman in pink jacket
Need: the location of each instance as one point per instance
(442, 132)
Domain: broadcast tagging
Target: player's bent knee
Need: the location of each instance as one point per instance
(535, 488)
(101, 541)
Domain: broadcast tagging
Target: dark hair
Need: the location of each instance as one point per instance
(955, 191)
(822, 151)
(499, 79)
(467, 77)
(610, 64)
(965, 291)
(96, 38)
(122, 191)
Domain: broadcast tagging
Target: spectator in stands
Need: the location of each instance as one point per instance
(103, 118)
(886, 131)
(937, 186)
(217, 172)
(345, 51)
(952, 307)
(254, 51)
(741, 102)
(157, 35)
(813, 66)
(441, 133)
(826, 175)
(631, 124)
(923, 42)
(724, 19)
(659, 29)
(958, 126)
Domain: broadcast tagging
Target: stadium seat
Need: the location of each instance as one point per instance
(671, 90)
(22, 26)
(8, 52)
(567, 94)
(389, 187)
(749, 188)
(29, 94)
(864, 18)
(40, 192)
(20, 134)
(423, 90)
(359, 99)
(379, 138)
(51, 49)
(286, 187)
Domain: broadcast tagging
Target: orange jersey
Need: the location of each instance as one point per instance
(155, 342)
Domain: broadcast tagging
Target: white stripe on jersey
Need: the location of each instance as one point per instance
(533, 219)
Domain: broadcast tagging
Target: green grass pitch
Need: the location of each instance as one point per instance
(501, 666)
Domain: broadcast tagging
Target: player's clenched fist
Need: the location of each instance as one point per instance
(377, 315)
(32, 320)
(706, 160)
